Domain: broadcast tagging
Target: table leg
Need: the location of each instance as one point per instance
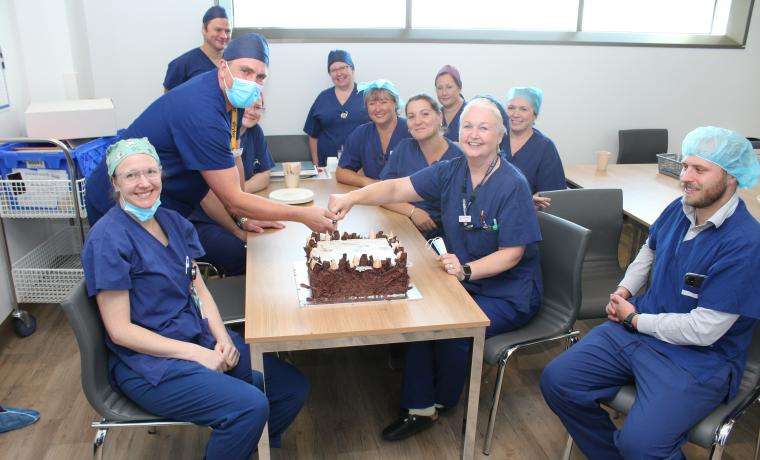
(257, 364)
(473, 396)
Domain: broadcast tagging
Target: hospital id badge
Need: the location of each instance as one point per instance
(465, 219)
(237, 152)
(197, 302)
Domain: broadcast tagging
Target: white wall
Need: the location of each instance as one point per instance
(590, 91)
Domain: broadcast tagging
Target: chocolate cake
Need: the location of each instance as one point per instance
(351, 266)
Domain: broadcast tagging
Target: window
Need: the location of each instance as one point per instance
(716, 23)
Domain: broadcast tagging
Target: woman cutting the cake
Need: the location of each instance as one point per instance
(491, 231)
(168, 349)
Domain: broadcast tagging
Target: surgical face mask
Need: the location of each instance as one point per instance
(141, 214)
(242, 93)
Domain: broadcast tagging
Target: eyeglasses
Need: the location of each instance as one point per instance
(339, 69)
(132, 177)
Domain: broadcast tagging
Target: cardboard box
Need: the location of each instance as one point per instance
(73, 119)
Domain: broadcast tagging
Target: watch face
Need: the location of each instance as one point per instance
(467, 270)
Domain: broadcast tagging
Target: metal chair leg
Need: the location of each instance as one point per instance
(568, 448)
(97, 445)
(495, 403)
(757, 444)
(716, 452)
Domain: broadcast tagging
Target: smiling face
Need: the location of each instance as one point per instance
(703, 183)
(423, 120)
(341, 74)
(216, 33)
(447, 90)
(521, 115)
(137, 179)
(480, 130)
(252, 115)
(381, 107)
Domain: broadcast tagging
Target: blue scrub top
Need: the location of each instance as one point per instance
(504, 197)
(364, 151)
(190, 128)
(120, 255)
(186, 66)
(406, 159)
(452, 129)
(330, 122)
(256, 158)
(539, 161)
(728, 257)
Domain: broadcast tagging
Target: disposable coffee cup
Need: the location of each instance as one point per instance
(292, 172)
(602, 159)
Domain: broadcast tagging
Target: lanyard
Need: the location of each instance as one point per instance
(234, 130)
(466, 203)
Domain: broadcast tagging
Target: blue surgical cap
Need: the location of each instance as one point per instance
(215, 12)
(339, 56)
(381, 83)
(727, 149)
(252, 46)
(530, 93)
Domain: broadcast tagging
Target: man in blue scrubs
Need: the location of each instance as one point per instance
(684, 341)
(368, 147)
(216, 33)
(194, 129)
(337, 111)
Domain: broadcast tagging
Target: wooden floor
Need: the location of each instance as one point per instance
(354, 395)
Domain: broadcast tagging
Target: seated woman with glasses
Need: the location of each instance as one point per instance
(336, 111)
(225, 242)
(367, 148)
(168, 349)
(426, 147)
(492, 233)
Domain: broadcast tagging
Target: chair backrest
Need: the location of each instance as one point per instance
(563, 247)
(599, 210)
(641, 145)
(289, 147)
(84, 318)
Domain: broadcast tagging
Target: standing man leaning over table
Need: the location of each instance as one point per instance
(194, 130)
(684, 341)
(216, 33)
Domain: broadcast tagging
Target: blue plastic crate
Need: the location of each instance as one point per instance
(11, 159)
(88, 156)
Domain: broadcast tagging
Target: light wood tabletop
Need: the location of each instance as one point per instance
(646, 193)
(274, 320)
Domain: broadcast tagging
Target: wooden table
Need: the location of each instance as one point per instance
(646, 193)
(274, 321)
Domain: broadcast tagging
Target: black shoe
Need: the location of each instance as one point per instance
(407, 425)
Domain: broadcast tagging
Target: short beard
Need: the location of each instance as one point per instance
(709, 195)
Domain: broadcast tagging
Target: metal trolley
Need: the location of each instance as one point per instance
(48, 272)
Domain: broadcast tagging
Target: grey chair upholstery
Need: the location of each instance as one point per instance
(229, 295)
(116, 410)
(289, 147)
(641, 145)
(714, 430)
(562, 249)
(601, 211)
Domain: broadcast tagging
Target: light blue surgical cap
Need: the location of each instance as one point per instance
(727, 149)
(118, 151)
(381, 83)
(530, 93)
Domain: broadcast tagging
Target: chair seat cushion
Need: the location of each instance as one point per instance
(542, 326)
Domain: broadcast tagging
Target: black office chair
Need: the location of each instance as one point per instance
(562, 250)
(289, 147)
(641, 145)
(114, 408)
(229, 295)
(714, 430)
(601, 211)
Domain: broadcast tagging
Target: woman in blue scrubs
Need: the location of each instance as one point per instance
(225, 243)
(368, 147)
(169, 351)
(216, 33)
(336, 112)
(448, 89)
(492, 233)
(530, 150)
(426, 147)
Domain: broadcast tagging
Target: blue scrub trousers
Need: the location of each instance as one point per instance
(223, 249)
(435, 371)
(232, 404)
(669, 400)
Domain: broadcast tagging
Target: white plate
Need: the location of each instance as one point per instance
(292, 195)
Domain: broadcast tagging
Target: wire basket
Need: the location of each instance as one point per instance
(669, 164)
(48, 272)
(40, 199)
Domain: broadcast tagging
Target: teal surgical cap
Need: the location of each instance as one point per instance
(727, 149)
(380, 84)
(117, 152)
(530, 93)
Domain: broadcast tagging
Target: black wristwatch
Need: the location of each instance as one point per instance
(628, 321)
(467, 272)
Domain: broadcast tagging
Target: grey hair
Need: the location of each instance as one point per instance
(488, 105)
